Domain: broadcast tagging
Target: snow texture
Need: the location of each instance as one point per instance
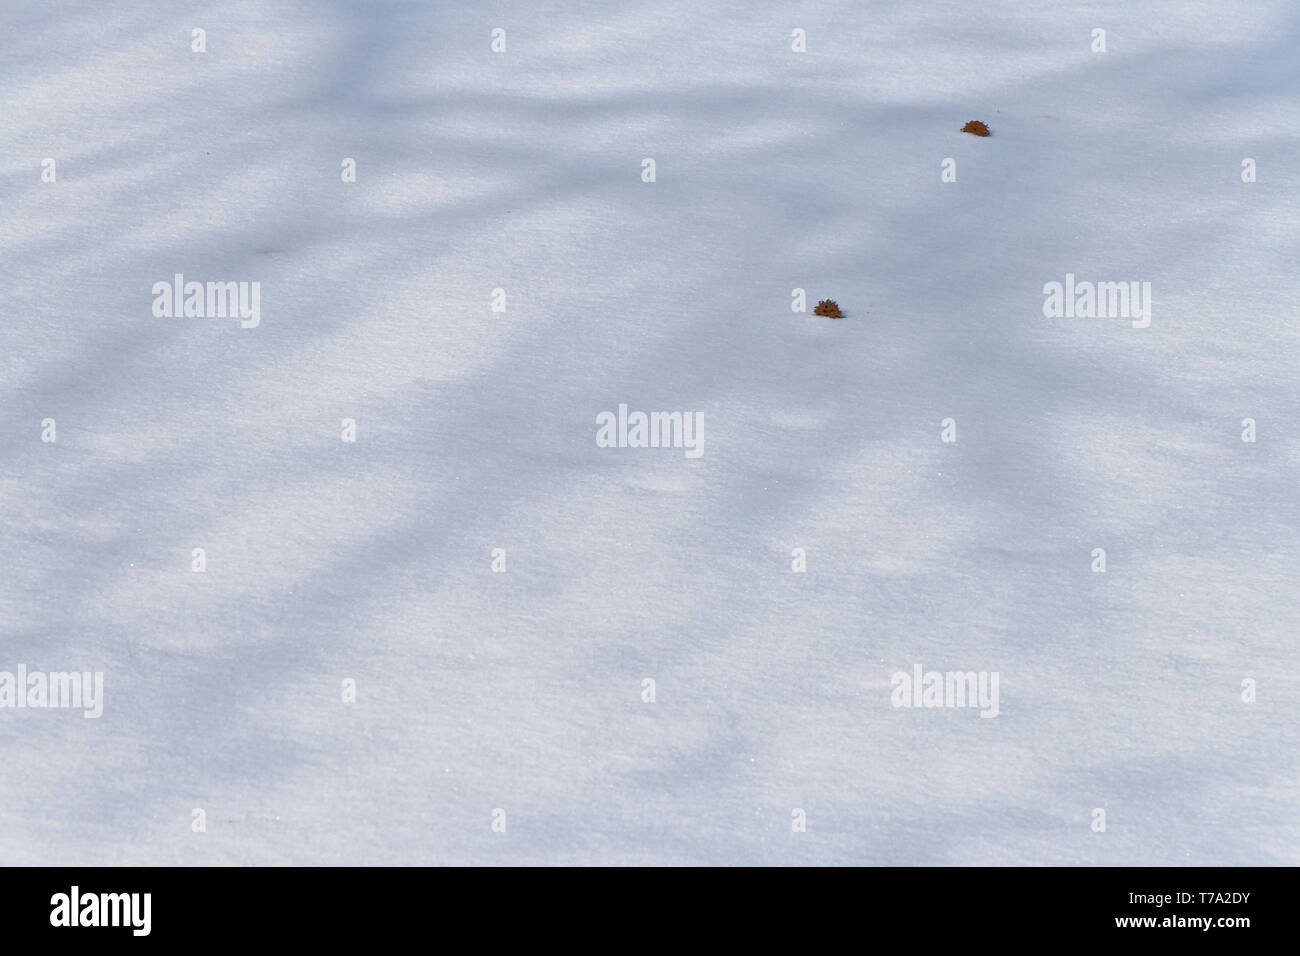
(1162, 691)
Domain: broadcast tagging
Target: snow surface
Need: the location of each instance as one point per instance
(522, 690)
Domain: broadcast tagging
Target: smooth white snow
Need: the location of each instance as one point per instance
(775, 170)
